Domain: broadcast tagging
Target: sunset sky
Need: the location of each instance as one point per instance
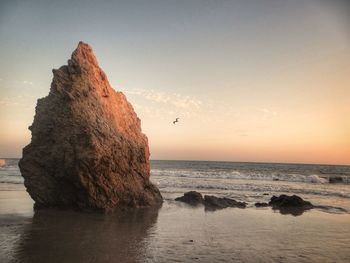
(263, 80)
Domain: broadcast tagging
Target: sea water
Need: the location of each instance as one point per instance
(247, 182)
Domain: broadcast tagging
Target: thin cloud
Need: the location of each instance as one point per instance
(17, 82)
(9, 102)
(19, 100)
(27, 82)
(169, 99)
(268, 114)
(164, 105)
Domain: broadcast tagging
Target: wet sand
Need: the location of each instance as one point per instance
(174, 233)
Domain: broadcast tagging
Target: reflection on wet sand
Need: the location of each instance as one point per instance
(67, 236)
(294, 211)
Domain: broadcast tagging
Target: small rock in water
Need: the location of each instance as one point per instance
(258, 204)
(289, 201)
(335, 180)
(192, 198)
(294, 204)
(212, 202)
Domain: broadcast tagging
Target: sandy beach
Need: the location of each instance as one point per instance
(174, 233)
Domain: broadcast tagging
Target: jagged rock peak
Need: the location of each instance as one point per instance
(84, 53)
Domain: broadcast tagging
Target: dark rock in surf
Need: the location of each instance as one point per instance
(289, 201)
(258, 204)
(209, 201)
(192, 198)
(212, 202)
(87, 149)
(335, 180)
(294, 204)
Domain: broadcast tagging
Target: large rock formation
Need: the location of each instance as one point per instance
(87, 149)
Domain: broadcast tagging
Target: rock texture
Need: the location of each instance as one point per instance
(87, 149)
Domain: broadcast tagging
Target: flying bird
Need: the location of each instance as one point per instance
(176, 120)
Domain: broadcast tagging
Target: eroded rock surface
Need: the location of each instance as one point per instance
(87, 149)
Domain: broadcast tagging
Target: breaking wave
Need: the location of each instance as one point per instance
(217, 186)
(265, 176)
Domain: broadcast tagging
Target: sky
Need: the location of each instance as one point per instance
(260, 80)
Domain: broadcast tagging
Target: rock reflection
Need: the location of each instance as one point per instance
(67, 236)
(294, 211)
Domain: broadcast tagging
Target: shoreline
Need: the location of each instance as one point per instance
(24, 205)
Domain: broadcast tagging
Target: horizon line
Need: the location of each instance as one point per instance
(225, 161)
(257, 162)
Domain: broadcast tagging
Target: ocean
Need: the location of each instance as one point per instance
(324, 185)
